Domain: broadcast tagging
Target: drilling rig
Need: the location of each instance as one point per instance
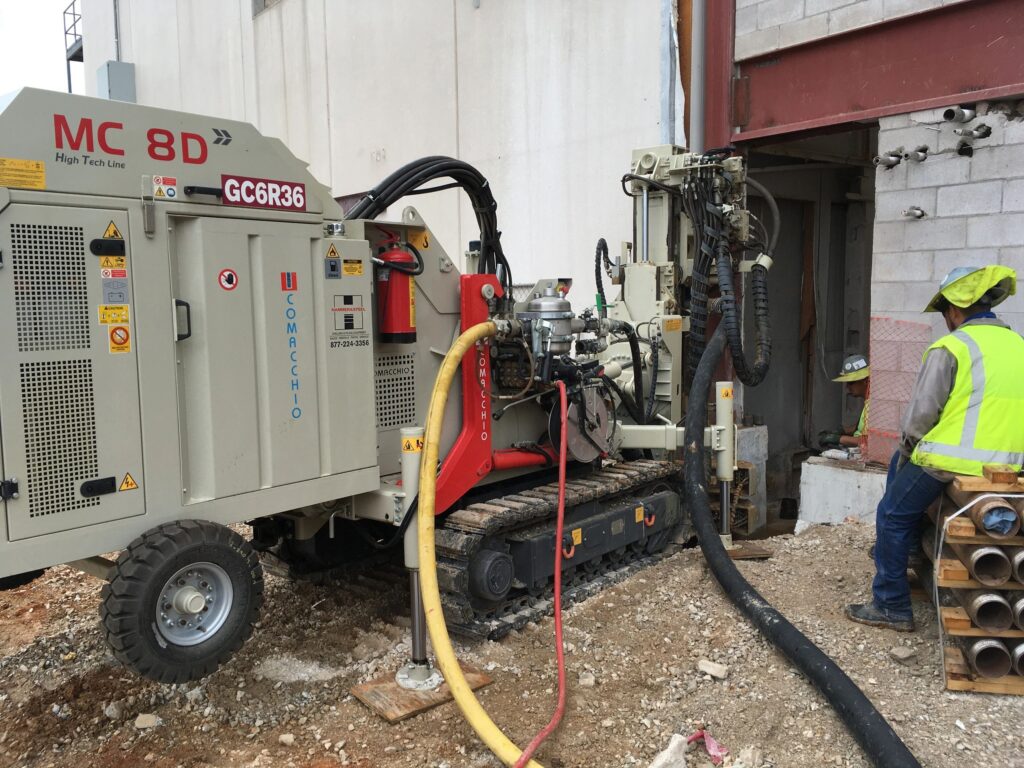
(198, 336)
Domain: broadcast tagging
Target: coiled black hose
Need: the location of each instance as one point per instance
(874, 734)
(754, 374)
(601, 261)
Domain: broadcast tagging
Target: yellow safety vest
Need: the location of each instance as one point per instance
(983, 419)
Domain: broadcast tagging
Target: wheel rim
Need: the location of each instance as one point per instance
(194, 604)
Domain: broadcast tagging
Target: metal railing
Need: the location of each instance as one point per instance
(72, 29)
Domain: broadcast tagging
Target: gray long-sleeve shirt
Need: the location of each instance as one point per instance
(931, 391)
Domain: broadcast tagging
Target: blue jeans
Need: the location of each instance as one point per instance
(909, 491)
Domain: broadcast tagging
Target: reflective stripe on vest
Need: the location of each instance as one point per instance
(953, 446)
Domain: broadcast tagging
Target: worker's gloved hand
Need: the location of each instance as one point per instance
(828, 439)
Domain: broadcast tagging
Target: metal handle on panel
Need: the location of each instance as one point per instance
(188, 318)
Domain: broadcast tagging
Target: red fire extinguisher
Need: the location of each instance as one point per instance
(397, 263)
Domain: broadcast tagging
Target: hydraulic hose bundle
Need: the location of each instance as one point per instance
(703, 205)
(875, 736)
(409, 179)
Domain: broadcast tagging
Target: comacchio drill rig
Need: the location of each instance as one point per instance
(197, 335)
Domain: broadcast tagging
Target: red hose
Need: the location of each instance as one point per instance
(556, 718)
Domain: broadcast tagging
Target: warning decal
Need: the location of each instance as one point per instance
(120, 339)
(26, 174)
(113, 314)
(113, 262)
(412, 444)
(112, 232)
(673, 325)
(128, 484)
(351, 267)
(228, 279)
(419, 239)
(638, 514)
(332, 252)
(727, 393)
(165, 187)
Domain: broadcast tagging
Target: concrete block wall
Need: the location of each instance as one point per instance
(974, 209)
(763, 26)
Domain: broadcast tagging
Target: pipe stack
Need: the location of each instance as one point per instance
(995, 563)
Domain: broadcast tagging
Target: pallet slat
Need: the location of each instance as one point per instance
(983, 485)
(960, 678)
(955, 621)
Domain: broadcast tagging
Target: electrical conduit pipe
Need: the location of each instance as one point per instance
(472, 710)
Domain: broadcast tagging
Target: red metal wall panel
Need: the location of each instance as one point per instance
(962, 53)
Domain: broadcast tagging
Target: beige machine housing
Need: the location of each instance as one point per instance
(168, 355)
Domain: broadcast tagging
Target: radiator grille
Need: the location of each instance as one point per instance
(60, 434)
(50, 301)
(395, 379)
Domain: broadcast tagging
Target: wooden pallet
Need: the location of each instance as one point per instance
(953, 574)
(960, 678)
(956, 622)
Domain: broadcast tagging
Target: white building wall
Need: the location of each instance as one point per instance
(546, 98)
(974, 207)
(763, 26)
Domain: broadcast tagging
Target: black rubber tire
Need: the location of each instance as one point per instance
(19, 579)
(129, 599)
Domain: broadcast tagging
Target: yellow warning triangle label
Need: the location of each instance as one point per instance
(128, 484)
(332, 252)
(112, 232)
(159, 192)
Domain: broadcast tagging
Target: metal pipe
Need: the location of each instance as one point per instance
(1017, 655)
(725, 505)
(958, 114)
(117, 31)
(1016, 555)
(645, 224)
(1018, 612)
(989, 565)
(695, 98)
(419, 620)
(989, 658)
(988, 610)
(979, 512)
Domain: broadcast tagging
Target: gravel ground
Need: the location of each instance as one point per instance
(633, 653)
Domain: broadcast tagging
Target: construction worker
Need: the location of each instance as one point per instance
(966, 411)
(856, 376)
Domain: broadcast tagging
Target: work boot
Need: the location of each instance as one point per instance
(873, 616)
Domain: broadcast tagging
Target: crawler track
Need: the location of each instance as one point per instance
(463, 533)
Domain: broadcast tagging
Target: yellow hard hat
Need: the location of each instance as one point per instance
(965, 286)
(855, 368)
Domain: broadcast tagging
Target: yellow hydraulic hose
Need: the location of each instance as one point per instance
(471, 708)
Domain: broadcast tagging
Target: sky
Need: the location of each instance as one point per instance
(32, 51)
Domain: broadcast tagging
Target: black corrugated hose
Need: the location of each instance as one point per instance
(601, 261)
(751, 375)
(874, 734)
